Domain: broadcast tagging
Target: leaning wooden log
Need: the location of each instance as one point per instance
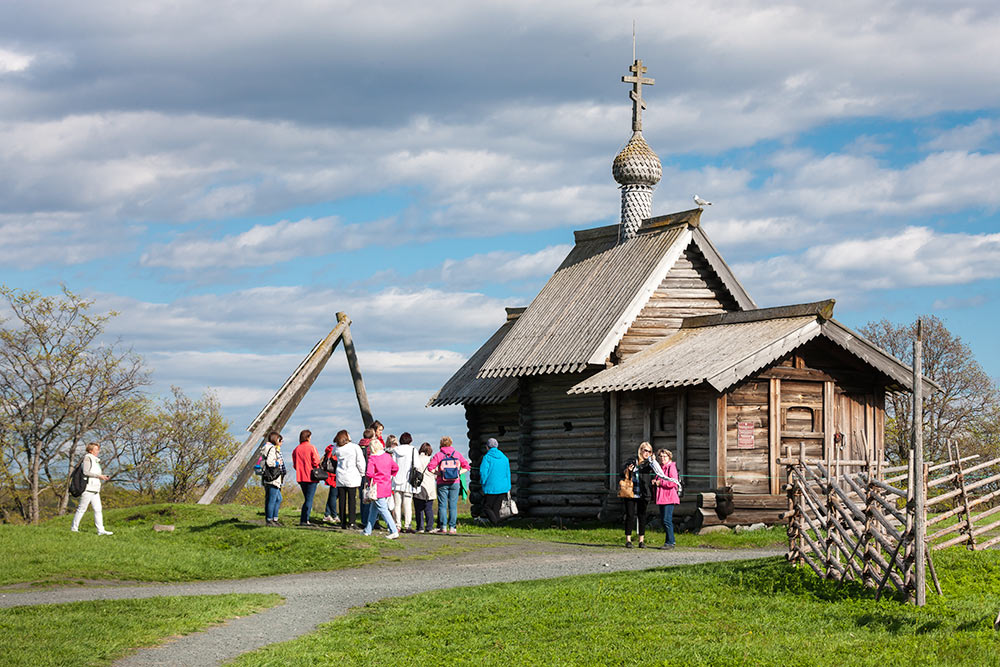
(930, 565)
(988, 543)
(888, 572)
(987, 528)
(882, 485)
(971, 487)
(961, 508)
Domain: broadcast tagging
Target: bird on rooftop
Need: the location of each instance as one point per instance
(701, 202)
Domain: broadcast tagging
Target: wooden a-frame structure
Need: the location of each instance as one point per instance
(279, 409)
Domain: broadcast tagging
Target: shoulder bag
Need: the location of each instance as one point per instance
(626, 489)
(416, 477)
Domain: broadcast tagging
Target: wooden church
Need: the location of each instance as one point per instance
(643, 333)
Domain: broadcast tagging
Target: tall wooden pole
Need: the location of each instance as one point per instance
(352, 363)
(919, 481)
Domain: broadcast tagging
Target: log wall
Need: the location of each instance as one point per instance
(569, 440)
(500, 421)
(698, 471)
(748, 470)
(690, 288)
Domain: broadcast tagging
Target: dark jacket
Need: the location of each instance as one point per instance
(641, 477)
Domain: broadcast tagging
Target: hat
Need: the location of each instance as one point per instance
(491, 443)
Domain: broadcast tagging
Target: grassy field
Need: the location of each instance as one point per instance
(761, 612)
(229, 542)
(97, 633)
(209, 542)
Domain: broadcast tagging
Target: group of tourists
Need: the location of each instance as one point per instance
(393, 480)
(646, 478)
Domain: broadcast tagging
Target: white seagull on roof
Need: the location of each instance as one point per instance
(701, 202)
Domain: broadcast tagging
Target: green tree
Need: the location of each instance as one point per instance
(194, 443)
(962, 407)
(57, 382)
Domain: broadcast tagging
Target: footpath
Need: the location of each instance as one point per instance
(317, 597)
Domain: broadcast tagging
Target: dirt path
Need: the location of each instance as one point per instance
(314, 598)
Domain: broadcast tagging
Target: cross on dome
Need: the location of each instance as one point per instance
(637, 80)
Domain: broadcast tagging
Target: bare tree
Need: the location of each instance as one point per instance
(967, 398)
(56, 383)
(196, 442)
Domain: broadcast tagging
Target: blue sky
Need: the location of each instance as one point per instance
(228, 177)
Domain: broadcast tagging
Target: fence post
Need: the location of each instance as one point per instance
(919, 483)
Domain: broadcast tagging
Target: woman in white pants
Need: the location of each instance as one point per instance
(92, 494)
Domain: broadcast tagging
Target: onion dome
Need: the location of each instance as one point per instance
(637, 164)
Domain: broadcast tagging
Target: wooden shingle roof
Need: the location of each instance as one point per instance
(724, 349)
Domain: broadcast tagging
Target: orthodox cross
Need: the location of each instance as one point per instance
(638, 104)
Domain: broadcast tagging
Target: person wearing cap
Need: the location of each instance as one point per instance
(494, 476)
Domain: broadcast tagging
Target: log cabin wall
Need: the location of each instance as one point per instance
(748, 457)
(699, 443)
(569, 440)
(500, 421)
(690, 288)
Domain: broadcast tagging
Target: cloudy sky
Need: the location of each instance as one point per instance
(230, 175)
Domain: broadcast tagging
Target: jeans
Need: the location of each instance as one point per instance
(667, 517)
(379, 508)
(308, 491)
(448, 504)
(347, 498)
(425, 513)
(92, 498)
(272, 501)
(331, 502)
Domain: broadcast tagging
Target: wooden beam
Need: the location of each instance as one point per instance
(352, 363)
(774, 431)
(829, 399)
(681, 427)
(717, 440)
(820, 309)
(613, 444)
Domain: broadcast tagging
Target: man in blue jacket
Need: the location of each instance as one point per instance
(494, 475)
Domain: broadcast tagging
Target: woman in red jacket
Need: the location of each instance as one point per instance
(305, 458)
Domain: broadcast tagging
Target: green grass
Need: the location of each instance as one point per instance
(209, 542)
(97, 633)
(603, 534)
(761, 612)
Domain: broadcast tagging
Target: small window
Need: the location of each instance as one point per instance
(501, 430)
(567, 426)
(799, 419)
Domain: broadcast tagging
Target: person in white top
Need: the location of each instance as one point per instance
(350, 470)
(92, 494)
(423, 497)
(402, 492)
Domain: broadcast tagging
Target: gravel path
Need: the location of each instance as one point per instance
(314, 598)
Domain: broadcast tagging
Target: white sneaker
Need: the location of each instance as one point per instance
(105, 532)
(392, 536)
(74, 530)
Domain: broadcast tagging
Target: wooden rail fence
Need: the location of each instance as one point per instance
(854, 520)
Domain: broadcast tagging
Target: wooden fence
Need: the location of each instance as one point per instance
(855, 520)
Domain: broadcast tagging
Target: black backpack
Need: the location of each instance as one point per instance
(77, 481)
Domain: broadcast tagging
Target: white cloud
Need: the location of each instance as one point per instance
(497, 266)
(966, 137)
(914, 257)
(12, 61)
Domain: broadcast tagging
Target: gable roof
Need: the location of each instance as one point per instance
(724, 349)
(587, 305)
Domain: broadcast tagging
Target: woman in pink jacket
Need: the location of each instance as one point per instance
(666, 484)
(381, 469)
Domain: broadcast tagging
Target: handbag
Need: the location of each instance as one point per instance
(370, 493)
(626, 489)
(318, 474)
(416, 477)
(508, 507)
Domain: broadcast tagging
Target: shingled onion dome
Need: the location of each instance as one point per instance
(636, 168)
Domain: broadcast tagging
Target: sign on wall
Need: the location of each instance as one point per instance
(744, 435)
